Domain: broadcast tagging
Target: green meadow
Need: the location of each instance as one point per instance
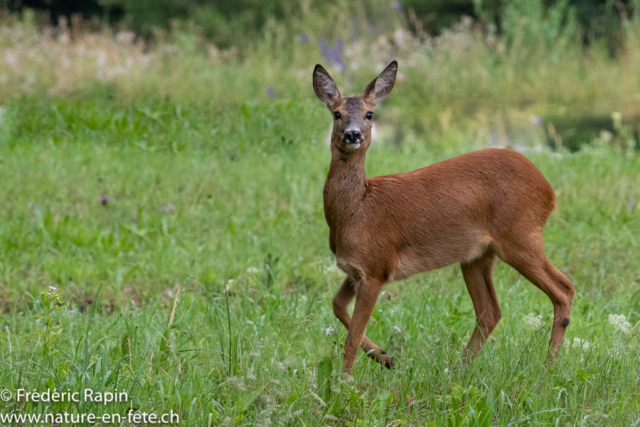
(162, 230)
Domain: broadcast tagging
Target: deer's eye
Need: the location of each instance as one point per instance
(336, 115)
(369, 115)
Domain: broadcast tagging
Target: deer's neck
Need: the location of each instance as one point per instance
(345, 187)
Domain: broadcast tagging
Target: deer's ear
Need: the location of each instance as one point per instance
(324, 86)
(378, 89)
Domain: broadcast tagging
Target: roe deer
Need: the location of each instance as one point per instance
(468, 209)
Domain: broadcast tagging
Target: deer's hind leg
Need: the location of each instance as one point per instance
(528, 257)
(477, 276)
(340, 303)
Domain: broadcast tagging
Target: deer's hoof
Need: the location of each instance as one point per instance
(389, 362)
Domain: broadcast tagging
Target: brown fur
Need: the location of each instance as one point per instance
(468, 209)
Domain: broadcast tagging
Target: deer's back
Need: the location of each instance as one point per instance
(491, 184)
(448, 212)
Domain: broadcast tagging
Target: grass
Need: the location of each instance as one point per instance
(176, 208)
(466, 77)
(204, 203)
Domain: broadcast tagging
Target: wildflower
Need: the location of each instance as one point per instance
(12, 59)
(104, 200)
(291, 415)
(397, 329)
(264, 400)
(304, 38)
(271, 92)
(400, 38)
(329, 330)
(536, 121)
(596, 419)
(580, 343)
(53, 288)
(332, 54)
(236, 384)
(533, 321)
(252, 270)
(312, 382)
(619, 321)
(616, 117)
(335, 388)
(348, 379)
(397, 5)
(125, 36)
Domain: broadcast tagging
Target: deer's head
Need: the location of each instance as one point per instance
(353, 116)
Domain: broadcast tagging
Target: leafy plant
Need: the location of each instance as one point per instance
(47, 322)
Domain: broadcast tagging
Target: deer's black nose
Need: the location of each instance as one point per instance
(352, 136)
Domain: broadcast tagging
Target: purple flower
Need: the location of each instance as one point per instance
(397, 5)
(536, 121)
(304, 38)
(632, 203)
(332, 54)
(271, 92)
(104, 200)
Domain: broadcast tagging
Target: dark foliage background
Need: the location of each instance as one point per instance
(230, 22)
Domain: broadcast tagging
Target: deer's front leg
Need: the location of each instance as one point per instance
(340, 303)
(367, 293)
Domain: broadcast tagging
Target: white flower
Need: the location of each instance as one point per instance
(397, 329)
(252, 270)
(580, 343)
(53, 288)
(236, 384)
(329, 330)
(533, 321)
(346, 378)
(619, 321)
(263, 419)
(291, 415)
